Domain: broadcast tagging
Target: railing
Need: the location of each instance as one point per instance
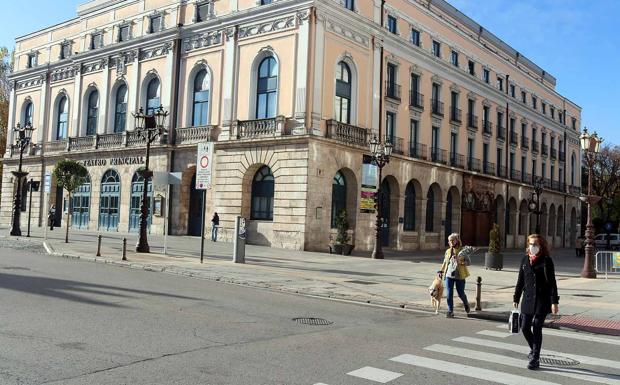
(457, 160)
(554, 153)
(61, 145)
(439, 155)
(110, 140)
(545, 149)
(514, 138)
(261, 127)
(455, 114)
(501, 171)
(417, 150)
(472, 121)
(547, 183)
(501, 133)
(535, 146)
(606, 262)
(525, 142)
(82, 143)
(437, 107)
(527, 178)
(574, 190)
(474, 164)
(555, 185)
(392, 90)
(487, 127)
(347, 133)
(192, 135)
(416, 100)
(515, 175)
(134, 140)
(397, 144)
(562, 156)
(488, 168)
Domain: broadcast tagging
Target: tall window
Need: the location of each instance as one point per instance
(156, 24)
(534, 102)
(413, 135)
(454, 58)
(500, 83)
(430, 211)
(262, 195)
(200, 114)
(435, 143)
(124, 33)
(153, 100)
(409, 220)
(486, 75)
(32, 60)
(96, 40)
(28, 111)
(436, 48)
(471, 67)
(415, 37)
(339, 196)
(523, 96)
(512, 90)
(63, 116)
(267, 88)
(65, 50)
(390, 126)
(92, 113)
(120, 109)
(349, 4)
(343, 93)
(391, 24)
(533, 169)
(204, 10)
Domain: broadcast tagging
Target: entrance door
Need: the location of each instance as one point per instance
(194, 217)
(80, 206)
(109, 202)
(384, 199)
(59, 207)
(137, 188)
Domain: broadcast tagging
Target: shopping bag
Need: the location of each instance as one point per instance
(513, 321)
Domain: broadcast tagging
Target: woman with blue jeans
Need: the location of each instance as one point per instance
(454, 269)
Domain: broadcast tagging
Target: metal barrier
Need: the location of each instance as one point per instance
(607, 262)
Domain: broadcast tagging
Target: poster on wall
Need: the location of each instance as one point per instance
(368, 191)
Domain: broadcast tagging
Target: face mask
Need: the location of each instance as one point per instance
(534, 249)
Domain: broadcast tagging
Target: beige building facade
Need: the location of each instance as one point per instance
(291, 92)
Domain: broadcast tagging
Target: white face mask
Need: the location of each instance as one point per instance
(534, 249)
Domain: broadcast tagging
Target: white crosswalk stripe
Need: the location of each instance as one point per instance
(577, 374)
(524, 349)
(375, 374)
(493, 333)
(468, 371)
(578, 336)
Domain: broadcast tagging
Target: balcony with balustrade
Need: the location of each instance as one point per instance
(416, 100)
(417, 150)
(397, 144)
(474, 164)
(347, 133)
(527, 178)
(574, 190)
(547, 183)
(535, 146)
(514, 138)
(439, 155)
(501, 133)
(487, 127)
(436, 107)
(195, 135)
(472, 122)
(554, 153)
(457, 160)
(392, 91)
(515, 175)
(501, 171)
(545, 149)
(260, 128)
(119, 141)
(455, 115)
(488, 168)
(525, 142)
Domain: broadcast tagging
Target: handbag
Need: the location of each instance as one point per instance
(513, 321)
(453, 269)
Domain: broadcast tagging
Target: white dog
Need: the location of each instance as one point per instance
(436, 292)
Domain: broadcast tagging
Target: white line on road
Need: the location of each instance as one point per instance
(525, 349)
(469, 371)
(579, 374)
(579, 336)
(493, 333)
(374, 374)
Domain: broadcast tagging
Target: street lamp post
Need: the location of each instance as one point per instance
(534, 202)
(149, 128)
(21, 143)
(381, 153)
(590, 144)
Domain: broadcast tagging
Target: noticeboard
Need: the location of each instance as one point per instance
(204, 165)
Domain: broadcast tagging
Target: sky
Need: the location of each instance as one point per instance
(574, 40)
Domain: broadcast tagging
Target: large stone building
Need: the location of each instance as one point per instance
(291, 91)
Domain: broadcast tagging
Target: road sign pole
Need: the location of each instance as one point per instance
(166, 206)
(202, 233)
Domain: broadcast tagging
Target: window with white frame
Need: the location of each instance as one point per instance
(415, 37)
(65, 50)
(32, 60)
(96, 40)
(343, 93)
(204, 10)
(124, 33)
(156, 23)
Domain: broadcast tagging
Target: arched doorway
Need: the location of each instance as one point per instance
(543, 219)
(80, 206)
(137, 188)
(196, 207)
(500, 217)
(573, 226)
(59, 206)
(559, 228)
(384, 205)
(109, 201)
(453, 210)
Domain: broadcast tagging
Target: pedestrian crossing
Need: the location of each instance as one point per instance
(492, 347)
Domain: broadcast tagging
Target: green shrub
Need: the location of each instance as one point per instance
(494, 239)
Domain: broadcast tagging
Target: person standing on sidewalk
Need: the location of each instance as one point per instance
(454, 269)
(51, 216)
(540, 294)
(215, 222)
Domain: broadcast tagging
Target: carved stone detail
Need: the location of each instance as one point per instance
(202, 40)
(349, 34)
(280, 24)
(28, 83)
(151, 53)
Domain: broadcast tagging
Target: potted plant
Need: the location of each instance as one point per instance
(493, 259)
(341, 243)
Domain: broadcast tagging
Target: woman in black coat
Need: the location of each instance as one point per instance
(540, 294)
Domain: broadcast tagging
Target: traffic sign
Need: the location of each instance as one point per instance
(204, 165)
(48, 182)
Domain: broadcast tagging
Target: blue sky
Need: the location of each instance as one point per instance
(575, 40)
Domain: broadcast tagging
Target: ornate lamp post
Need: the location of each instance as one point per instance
(21, 143)
(149, 128)
(381, 153)
(590, 144)
(534, 202)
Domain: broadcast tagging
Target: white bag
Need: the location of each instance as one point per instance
(513, 321)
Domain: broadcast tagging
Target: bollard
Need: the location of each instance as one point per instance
(99, 245)
(478, 293)
(124, 249)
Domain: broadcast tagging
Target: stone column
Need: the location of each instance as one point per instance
(103, 98)
(76, 103)
(133, 85)
(302, 72)
(229, 91)
(317, 87)
(42, 125)
(376, 85)
(167, 89)
(12, 118)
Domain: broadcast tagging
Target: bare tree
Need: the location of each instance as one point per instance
(606, 183)
(6, 66)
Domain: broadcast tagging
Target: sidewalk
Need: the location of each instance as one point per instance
(400, 280)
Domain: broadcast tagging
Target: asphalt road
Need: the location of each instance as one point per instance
(68, 322)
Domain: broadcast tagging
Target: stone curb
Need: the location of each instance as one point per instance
(179, 271)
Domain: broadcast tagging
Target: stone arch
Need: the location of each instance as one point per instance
(412, 213)
(433, 210)
(544, 216)
(523, 217)
(551, 225)
(500, 216)
(573, 226)
(348, 60)
(511, 230)
(351, 195)
(390, 194)
(453, 213)
(559, 228)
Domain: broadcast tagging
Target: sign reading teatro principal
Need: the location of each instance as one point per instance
(120, 161)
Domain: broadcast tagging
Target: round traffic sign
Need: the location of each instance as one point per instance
(204, 161)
